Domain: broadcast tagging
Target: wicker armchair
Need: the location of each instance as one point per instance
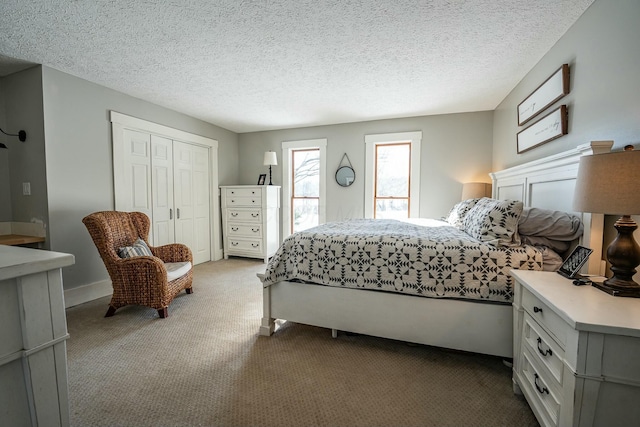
(140, 280)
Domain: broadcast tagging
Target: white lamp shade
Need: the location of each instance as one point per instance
(270, 158)
(609, 184)
(474, 190)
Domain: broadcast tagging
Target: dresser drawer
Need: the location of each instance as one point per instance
(242, 192)
(547, 318)
(244, 230)
(246, 215)
(544, 395)
(245, 246)
(244, 201)
(543, 347)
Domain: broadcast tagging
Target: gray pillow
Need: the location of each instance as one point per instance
(555, 225)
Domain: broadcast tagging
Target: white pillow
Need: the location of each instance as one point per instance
(494, 221)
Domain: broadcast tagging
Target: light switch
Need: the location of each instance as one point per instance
(26, 188)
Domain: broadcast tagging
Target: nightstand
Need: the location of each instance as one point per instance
(576, 352)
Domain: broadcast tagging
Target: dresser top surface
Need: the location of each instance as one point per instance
(583, 307)
(17, 261)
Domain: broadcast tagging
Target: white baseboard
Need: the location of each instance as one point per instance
(86, 293)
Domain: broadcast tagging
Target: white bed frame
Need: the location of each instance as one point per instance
(478, 327)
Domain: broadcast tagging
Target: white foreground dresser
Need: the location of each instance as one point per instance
(33, 330)
(576, 352)
(250, 220)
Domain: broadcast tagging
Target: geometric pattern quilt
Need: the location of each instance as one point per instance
(438, 261)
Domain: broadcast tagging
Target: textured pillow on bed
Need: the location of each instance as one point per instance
(494, 221)
(459, 211)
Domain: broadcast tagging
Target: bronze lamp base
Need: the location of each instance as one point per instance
(624, 256)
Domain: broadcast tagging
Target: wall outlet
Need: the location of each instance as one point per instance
(26, 188)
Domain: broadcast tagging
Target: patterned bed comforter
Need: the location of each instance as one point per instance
(436, 260)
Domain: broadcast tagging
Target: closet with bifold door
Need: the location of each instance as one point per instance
(169, 180)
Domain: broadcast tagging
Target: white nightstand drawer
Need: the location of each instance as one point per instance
(543, 347)
(241, 192)
(244, 230)
(547, 318)
(545, 397)
(245, 246)
(248, 215)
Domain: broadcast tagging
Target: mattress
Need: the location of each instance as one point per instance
(429, 258)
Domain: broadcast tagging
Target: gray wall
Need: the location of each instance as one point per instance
(456, 148)
(26, 161)
(72, 116)
(5, 187)
(604, 103)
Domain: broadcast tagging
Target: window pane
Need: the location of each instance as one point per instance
(392, 170)
(305, 214)
(306, 173)
(392, 209)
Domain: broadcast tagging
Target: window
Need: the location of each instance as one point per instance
(303, 188)
(392, 187)
(392, 181)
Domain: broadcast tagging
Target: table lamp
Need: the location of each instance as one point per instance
(610, 184)
(475, 190)
(270, 159)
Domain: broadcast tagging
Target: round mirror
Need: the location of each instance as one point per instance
(345, 176)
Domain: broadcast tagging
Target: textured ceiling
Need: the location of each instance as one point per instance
(259, 65)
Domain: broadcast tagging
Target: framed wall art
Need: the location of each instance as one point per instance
(548, 128)
(554, 88)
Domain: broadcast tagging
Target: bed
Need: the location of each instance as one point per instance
(456, 313)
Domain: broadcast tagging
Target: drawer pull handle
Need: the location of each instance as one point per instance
(255, 215)
(253, 201)
(234, 228)
(541, 390)
(234, 213)
(255, 230)
(255, 245)
(537, 309)
(234, 243)
(546, 352)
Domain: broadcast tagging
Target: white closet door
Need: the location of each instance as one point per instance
(133, 179)
(191, 196)
(202, 205)
(162, 191)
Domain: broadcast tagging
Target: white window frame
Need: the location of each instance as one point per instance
(371, 141)
(287, 147)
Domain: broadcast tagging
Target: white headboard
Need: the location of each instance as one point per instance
(549, 183)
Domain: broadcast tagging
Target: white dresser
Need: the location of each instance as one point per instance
(33, 331)
(576, 352)
(250, 220)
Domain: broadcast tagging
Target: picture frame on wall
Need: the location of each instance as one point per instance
(548, 128)
(262, 178)
(551, 90)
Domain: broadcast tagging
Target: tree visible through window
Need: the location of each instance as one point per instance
(305, 188)
(392, 181)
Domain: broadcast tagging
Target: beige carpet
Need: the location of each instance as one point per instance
(205, 365)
